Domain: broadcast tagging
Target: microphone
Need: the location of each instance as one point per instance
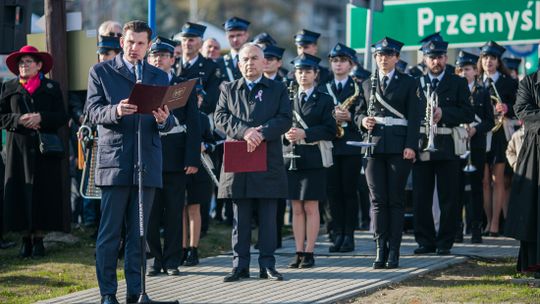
(138, 71)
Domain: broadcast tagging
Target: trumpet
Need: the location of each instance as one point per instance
(431, 127)
(496, 99)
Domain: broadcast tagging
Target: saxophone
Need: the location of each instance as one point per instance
(344, 106)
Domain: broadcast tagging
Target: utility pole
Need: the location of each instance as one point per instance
(55, 37)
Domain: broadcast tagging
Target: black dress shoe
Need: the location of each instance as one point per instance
(109, 299)
(348, 244)
(237, 274)
(441, 251)
(424, 250)
(26, 247)
(476, 236)
(132, 298)
(38, 250)
(192, 257)
(184, 256)
(152, 272)
(307, 261)
(458, 238)
(493, 234)
(338, 241)
(173, 271)
(382, 254)
(270, 273)
(296, 260)
(393, 259)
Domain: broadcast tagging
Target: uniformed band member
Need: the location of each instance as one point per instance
(254, 109)
(390, 112)
(194, 65)
(236, 30)
(181, 147)
(273, 56)
(448, 97)
(108, 48)
(483, 122)
(306, 42)
(513, 66)
(199, 188)
(343, 175)
(437, 37)
(523, 221)
(496, 79)
(264, 40)
(312, 122)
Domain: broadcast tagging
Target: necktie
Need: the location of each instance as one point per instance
(339, 88)
(235, 61)
(434, 83)
(251, 85)
(303, 98)
(187, 65)
(384, 83)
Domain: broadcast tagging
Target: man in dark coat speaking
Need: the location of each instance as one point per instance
(254, 109)
(109, 86)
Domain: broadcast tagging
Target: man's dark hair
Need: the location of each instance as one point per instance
(137, 26)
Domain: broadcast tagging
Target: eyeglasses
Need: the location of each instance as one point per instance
(112, 34)
(26, 62)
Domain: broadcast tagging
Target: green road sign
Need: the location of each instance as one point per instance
(463, 23)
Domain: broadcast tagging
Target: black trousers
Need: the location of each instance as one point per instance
(364, 200)
(168, 210)
(446, 173)
(342, 194)
(241, 235)
(386, 176)
(471, 191)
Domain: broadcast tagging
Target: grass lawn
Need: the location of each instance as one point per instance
(472, 282)
(69, 268)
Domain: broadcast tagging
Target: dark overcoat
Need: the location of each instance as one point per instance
(523, 222)
(33, 182)
(110, 82)
(239, 109)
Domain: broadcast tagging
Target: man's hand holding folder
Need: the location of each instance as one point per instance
(254, 138)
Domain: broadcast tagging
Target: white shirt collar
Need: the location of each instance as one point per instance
(308, 92)
(495, 77)
(390, 75)
(271, 77)
(439, 77)
(192, 61)
(254, 82)
(170, 75)
(471, 85)
(128, 64)
(343, 82)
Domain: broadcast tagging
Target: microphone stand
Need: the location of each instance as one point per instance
(143, 297)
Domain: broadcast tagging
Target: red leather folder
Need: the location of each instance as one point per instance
(236, 158)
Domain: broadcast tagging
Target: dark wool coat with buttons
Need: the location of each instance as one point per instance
(33, 185)
(238, 109)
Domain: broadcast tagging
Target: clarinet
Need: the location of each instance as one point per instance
(370, 113)
(293, 92)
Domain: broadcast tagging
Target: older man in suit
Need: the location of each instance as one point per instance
(109, 86)
(255, 109)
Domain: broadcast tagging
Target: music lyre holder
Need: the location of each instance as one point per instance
(143, 297)
(362, 144)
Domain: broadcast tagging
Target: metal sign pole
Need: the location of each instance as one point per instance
(369, 30)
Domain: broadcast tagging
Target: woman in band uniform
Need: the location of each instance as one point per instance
(313, 122)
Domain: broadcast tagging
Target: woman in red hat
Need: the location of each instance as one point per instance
(30, 104)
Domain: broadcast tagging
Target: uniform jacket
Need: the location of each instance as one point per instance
(226, 63)
(316, 112)
(507, 87)
(483, 109)
(209, 73)
(351, 131)
(108, 83)
(33, 183)
(453, 98)
(401, 94)
(239, 109)
(181, 150)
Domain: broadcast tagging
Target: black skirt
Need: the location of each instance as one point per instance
(199, 188)
(497, 154)
(308, 184)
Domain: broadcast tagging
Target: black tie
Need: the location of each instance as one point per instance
(384, 83)
(339, 88)
(303, 98)
(434, 83)
(187, 65)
